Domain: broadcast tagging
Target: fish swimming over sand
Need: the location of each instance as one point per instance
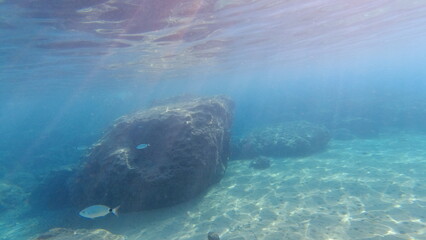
(142, 146)
(82, 148)
(98, 211)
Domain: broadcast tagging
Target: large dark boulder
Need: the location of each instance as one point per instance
(284, 140)
(188, 151)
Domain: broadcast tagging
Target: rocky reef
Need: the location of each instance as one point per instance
(283, 140)
(11, 197)
(78, 234)
(158, 157)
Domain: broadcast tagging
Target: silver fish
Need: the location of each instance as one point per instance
(98, 211)
(82, 148)
(142, 146)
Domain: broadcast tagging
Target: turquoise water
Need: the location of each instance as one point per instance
(68, 69)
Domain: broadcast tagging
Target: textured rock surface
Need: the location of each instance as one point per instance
(213, 236)
(188, 151)
(284, 140)
(79, 234)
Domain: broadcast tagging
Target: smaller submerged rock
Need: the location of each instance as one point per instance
(289, 139)
(260, 163)
(213, 236)
(78, 234)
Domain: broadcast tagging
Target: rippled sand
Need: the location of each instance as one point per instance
(359, 189)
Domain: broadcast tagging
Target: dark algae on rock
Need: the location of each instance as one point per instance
(186, 149)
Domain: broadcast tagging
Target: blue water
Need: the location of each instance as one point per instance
(68, 69)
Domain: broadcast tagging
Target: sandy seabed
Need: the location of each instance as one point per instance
(358, 189)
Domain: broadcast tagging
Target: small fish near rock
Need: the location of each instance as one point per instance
(260, 163)
(142, 146)
(96, 211)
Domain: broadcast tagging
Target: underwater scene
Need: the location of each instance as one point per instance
(212, 120)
